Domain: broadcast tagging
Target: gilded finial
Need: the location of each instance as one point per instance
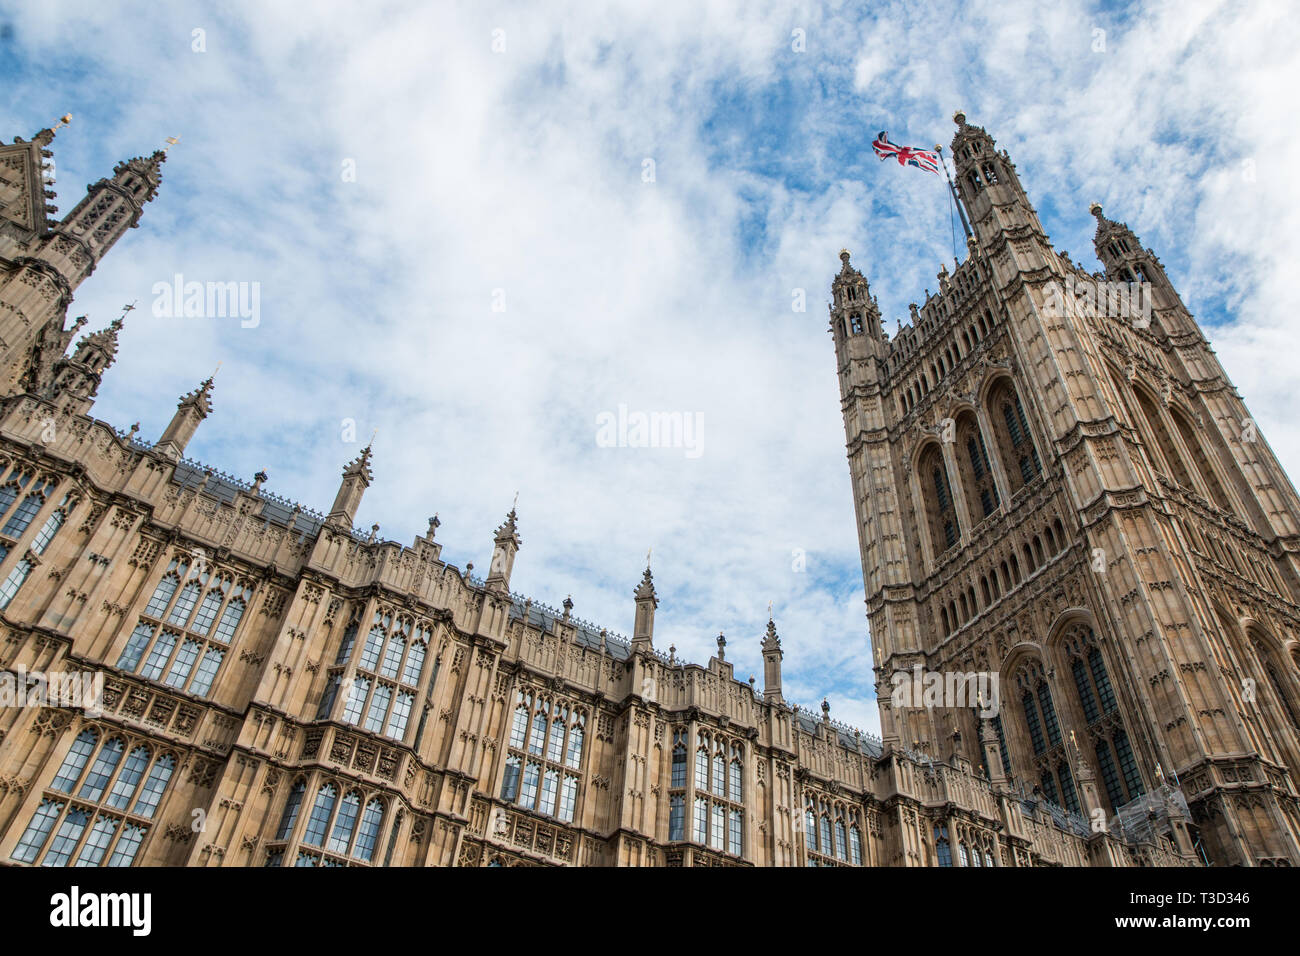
(170, 141)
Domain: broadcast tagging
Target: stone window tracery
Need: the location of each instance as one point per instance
(23, 568)
(719, 809)
(175, 642)
(1044, 733)
(832, 831)
(389, 669)
(1116, 764)
(342, 827)
(1013, 437)
(543, 770)
(98, 808)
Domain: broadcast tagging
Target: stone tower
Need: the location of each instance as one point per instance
(43, 261)
(1059, 489)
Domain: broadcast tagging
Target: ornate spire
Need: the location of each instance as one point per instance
(358, 467)
(79, 376)
(772, 655)
(645, 591)
(190, 410)
(1108, 231)
(505, 545)
(646, 601)
(771, 641)
(854, 309)
(357, 477)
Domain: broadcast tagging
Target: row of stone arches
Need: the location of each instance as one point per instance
(1061, 705)
(983, 456)
(1004, 574)
(1263, 680)
(980, 327)
(1192, 457)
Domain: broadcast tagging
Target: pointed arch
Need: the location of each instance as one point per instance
(1201, 461)
(1161, 449)
(1012, 435)
(937, 499)
(973, 468)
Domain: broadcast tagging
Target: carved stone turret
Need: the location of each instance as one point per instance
(505, 545)
(190, 411)
(646, 602)
(356, 479)
(772, 656)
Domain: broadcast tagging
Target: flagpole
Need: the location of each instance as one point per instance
(961, 210)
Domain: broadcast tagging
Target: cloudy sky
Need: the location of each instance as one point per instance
(476, 228)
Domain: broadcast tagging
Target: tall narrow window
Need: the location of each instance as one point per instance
(942, 849)
(677, 817)
(510, 784)
(290, 815)
(70, 772)
(319, 820)
(368, 834)
(346, 819)
(940, 512)
(346, 645)
(129, 779)
(973, 467)
(1014, 442)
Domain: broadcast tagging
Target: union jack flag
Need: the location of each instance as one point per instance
(906, 155)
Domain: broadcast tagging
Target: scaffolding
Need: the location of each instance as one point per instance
(1146, 819)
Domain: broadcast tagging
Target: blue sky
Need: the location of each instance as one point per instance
(520, 172)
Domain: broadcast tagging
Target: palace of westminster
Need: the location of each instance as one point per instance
(1072, 501)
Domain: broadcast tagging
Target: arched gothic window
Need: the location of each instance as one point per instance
(939, 507)
(942, 849)
(290, 815)
(1012, 435)
(116, 796)
(1044, 734)
(546, 744)
(174, 641)
(1116, 764)
(973, 468)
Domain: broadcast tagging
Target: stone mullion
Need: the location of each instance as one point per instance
(929, 555)
(957, 494)
(993, 460)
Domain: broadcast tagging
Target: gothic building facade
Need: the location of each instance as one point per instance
(1056, 483)
(277, 688)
